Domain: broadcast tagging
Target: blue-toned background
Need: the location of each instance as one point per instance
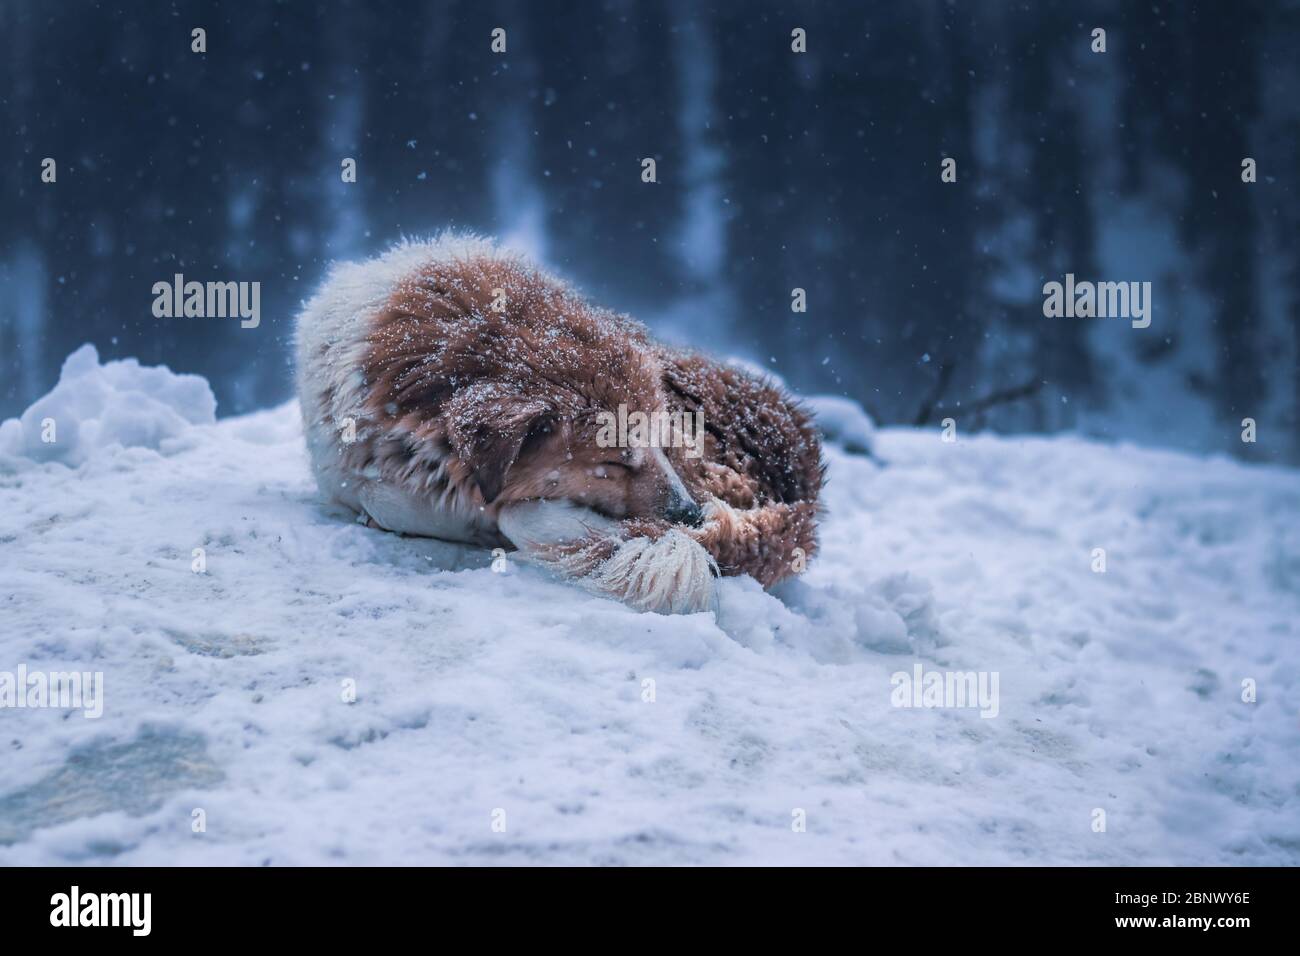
(776, 170)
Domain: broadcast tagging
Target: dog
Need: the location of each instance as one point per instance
(451, 389)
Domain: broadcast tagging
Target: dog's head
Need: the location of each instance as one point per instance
(521, 447)
(523, 377)
(572, 462)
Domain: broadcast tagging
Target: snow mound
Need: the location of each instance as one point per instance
(844, 422)
(97, 406)
(329, 694)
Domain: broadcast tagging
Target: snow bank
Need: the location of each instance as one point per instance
(95, 406)
(327, 694)
(843, 422)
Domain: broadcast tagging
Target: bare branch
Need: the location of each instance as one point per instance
(936, 393)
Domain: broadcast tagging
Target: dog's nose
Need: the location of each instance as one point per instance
(687, 513)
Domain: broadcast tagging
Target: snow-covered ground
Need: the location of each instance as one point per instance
(486, 698)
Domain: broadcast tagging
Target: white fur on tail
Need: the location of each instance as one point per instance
(671, 575)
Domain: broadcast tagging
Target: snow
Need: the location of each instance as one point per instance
(844, 422)
(479, 692)
(94, 406)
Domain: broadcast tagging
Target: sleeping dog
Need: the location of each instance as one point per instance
(453, 390)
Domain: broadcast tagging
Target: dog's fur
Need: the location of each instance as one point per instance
(473, 382)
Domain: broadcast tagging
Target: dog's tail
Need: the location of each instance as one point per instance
(647, 564)
(770, 542)
(652, 565)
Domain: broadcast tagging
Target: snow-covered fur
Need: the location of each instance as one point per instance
(451, 389)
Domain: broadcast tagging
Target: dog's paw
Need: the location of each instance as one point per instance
(538, 525)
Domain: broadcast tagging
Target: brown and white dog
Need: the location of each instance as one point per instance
(452, 390)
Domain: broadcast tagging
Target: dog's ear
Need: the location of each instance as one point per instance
(488, 430)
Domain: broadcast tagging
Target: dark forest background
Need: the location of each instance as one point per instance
(776, 170)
